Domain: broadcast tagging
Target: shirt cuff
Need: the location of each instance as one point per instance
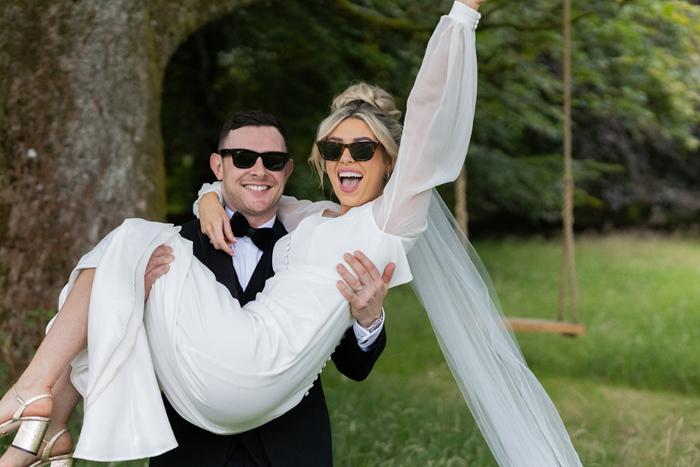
(365, 339)
(464, 14)
(207, 188)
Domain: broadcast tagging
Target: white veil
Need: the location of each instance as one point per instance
(516, 417)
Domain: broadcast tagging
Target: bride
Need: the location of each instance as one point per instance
(228, 369)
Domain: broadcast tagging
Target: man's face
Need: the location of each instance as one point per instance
(254, 192)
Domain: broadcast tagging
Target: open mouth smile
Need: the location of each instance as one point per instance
(349, 180)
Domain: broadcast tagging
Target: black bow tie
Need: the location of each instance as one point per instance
(262, 238)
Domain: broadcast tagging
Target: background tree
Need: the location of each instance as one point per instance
(636, 71)
(80, 140)
(636, 76)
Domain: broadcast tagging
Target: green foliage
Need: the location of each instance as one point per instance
(287, 58)
(526, 186)
(636, 77)
(39, 317)
(636, 96)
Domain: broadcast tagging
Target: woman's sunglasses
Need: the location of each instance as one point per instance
(245, 158)
(359, 150)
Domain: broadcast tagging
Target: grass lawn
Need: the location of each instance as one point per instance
(628, 390)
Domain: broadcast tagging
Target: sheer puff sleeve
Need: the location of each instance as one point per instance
(438, 125)
(436, 134)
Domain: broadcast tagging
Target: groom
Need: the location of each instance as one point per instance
(302, 436)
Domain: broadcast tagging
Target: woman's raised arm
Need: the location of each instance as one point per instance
(438, 124)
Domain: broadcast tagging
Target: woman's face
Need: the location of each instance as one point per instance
(356, 183)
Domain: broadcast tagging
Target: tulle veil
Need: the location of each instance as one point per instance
(516, 417)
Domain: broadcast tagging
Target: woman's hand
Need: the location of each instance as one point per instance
(473, 4)
(215, 223)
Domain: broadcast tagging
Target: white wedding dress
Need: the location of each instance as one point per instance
(229, 369)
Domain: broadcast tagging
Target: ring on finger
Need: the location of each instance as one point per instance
(357, 289)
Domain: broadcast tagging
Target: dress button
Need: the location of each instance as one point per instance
(307, 393)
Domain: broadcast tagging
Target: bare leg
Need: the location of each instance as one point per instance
(65, 398)
(68, 336)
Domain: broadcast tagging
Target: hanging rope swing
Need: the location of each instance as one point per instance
(567, 278)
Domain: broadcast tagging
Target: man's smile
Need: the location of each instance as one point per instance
(257, 187)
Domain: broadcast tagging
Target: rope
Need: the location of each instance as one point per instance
(461, 201)
(568, 266)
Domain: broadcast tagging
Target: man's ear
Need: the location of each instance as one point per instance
(288, 169)
(216, 162)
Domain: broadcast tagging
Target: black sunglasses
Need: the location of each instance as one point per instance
(245, 158)
(359, 150)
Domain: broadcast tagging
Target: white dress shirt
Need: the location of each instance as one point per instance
(246, 260)
(247, 254)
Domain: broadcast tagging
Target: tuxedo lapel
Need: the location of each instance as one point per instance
(221, 264)
(263, 270)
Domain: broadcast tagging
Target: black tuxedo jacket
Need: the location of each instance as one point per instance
(299, 438)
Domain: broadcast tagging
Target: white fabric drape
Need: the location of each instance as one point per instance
(515, 415)
(438, 125)
(124, 413)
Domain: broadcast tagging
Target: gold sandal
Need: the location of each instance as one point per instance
(31, 429)
(65, 460)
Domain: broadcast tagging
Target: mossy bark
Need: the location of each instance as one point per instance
(80, 139)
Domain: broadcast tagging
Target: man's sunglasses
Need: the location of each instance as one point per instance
(359, 150)
(245, 158)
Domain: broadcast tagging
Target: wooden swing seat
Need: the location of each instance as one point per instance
(546, 325)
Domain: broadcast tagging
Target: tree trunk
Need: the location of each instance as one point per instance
(80, 139)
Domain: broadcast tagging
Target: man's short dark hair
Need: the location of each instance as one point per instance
(252, 118)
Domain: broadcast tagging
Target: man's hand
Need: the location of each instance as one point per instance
(158, 264)
(365, 303)
(215, 223)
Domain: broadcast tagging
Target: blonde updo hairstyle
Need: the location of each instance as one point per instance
(371, 104)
